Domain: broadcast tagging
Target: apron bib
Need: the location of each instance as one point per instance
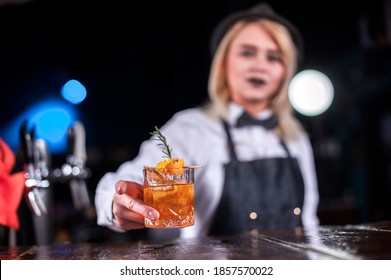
(259, 194)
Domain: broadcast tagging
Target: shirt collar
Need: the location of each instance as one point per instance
(234, 111)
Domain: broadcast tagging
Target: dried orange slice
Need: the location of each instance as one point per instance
(161, 166)
(175, 166)
(171, 166)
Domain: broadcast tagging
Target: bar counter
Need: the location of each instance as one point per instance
(365, 241)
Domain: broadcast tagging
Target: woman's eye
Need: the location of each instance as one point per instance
(274, 58)
(248, 53)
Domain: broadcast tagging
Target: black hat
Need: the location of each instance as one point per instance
(261, 10)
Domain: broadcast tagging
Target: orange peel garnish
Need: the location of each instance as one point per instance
(171, 166)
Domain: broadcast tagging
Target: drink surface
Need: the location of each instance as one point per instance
(175, 203)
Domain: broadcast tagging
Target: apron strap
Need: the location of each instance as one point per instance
(285, 148)
(231, 146)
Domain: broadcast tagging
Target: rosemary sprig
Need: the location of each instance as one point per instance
(166, 148)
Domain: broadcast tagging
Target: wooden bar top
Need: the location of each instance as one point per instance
(364, 241)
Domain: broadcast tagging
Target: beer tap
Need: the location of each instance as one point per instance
(34, 181)
(75, 166)
(43, 158)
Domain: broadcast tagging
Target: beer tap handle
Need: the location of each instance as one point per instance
(32, 183)
(78, 150)
(71, 141)
(34, 148)
(44, 160)
(79, 144)
(26, 145)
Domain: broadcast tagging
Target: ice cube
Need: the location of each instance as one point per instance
(153, 176)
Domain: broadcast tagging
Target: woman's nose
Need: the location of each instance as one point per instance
(260, 64)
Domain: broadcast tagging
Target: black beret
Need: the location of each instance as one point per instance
(261, 10)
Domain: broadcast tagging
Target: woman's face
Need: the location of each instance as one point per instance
(255, 69)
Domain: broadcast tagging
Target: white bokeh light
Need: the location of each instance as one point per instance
(311, 92)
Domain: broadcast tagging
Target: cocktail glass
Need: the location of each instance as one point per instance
(171, 192)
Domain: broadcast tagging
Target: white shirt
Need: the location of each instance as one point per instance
(200, 140)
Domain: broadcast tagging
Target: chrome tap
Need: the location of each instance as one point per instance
(75, 167)
(34, 179)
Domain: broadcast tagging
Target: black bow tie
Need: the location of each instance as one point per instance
(246, 119)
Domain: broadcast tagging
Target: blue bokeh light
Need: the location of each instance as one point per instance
(50, 119)
(74, 91)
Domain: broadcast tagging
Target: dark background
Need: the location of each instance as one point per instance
(141, 61)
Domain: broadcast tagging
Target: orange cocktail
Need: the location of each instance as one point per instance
(171, 192)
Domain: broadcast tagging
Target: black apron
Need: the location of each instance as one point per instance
(259, 194)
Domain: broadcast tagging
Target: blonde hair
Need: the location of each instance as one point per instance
(219, 95)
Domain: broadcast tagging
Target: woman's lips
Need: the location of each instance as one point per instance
(256, 82)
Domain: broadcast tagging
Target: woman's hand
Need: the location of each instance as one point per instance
(129, 209)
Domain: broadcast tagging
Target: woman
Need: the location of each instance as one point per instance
(255, 175)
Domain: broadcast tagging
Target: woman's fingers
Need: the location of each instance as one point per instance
(130, 188)
(129, 209)
(127, 219)
(135, 205)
